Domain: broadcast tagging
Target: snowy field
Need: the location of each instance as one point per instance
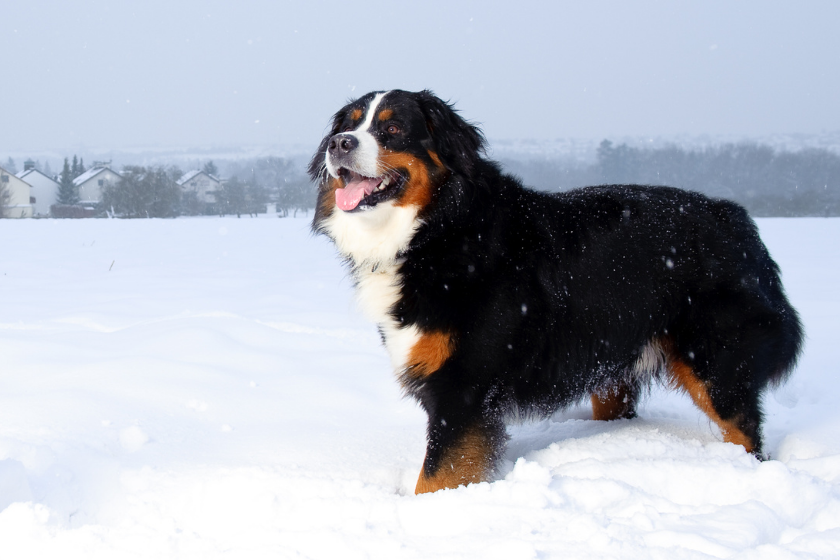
(205, 388)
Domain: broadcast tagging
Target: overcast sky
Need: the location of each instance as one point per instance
(87, 74)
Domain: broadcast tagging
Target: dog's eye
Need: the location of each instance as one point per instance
(393, 129)
(347, 129)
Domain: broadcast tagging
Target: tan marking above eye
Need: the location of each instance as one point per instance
(386, 114)
(356, 114)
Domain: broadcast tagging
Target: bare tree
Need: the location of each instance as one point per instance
(232, 198)
(5, 196)
(143, 192)
(296, 194)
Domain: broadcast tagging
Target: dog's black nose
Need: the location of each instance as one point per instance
(343, 144)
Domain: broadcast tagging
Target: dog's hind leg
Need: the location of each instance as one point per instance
(735, 409)
(615, 400)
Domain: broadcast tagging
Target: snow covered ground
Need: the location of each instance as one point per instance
(205, 388)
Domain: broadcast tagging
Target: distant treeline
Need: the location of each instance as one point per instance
(153, 191)
(767, 182)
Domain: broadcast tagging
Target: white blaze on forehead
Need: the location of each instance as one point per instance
(365, 160)
(365, 126)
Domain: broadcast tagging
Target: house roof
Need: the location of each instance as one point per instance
(190, 175)
(91, 173)
(4, 172)
(17, 179)
(24, 174)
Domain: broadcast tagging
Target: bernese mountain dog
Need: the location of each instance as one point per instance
(494, 300)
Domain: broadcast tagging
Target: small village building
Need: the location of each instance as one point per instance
(44, 192)
(90, 183)
(18, 204)
(201, 183)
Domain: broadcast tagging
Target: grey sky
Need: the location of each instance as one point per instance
(116, 75)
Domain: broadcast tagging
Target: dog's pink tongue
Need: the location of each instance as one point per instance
(351, 195)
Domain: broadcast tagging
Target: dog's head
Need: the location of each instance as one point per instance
(386, 155)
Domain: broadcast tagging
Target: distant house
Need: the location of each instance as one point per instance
(91, 182)
(18, 205)
(201, 183)
(44, 192)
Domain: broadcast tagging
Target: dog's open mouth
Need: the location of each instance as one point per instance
(362, 192)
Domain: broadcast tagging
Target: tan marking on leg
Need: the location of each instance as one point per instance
(683, 377)
(616, 402)
(429, 353)
(385, 114)
(466, 462)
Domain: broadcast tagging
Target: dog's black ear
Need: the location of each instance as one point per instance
(457, 142)
(317, 165)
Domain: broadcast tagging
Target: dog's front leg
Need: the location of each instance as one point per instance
(459, 453)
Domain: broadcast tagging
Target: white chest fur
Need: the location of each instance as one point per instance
(373, 236)
(373, 239)
(377, 292)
